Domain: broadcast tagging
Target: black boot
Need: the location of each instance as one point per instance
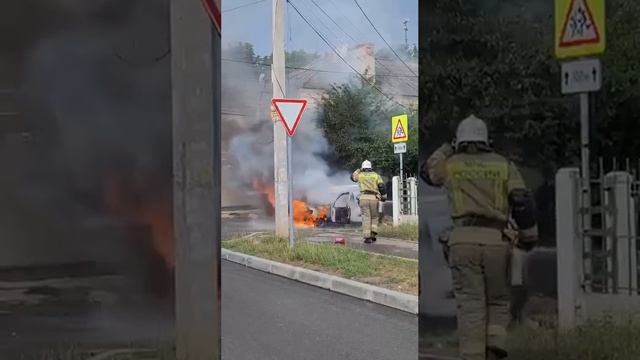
(495, 353)
(373, 238)
(518, 302)
(367, 240)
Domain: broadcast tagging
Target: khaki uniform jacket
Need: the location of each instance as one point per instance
(478, 185)
(368, 182)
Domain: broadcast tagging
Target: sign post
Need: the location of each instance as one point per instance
(289, 112)
(580, 32)
(399, 138)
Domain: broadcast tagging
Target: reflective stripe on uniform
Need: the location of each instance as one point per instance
(476, 183)
(368, 181)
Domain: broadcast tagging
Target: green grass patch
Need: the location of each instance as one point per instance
(385, 271)
(596, 340)
(402, 231)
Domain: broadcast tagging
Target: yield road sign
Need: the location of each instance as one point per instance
(581, 76)
(290, 112)
(400, 148)
(213, 9)
(399, 129)
(579, 28)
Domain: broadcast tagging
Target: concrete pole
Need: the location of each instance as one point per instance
(279, 134)
(395, 193)
(569, 248)
(586, 181)
(196, 176)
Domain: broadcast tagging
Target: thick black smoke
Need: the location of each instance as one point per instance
(94, 92)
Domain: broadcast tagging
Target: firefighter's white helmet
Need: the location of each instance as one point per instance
(366, 164)
(472, 129)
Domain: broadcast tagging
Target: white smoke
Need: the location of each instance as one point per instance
(252, 150)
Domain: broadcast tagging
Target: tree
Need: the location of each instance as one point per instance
(241, 51)
(501, 68)
(496, 60)
(356, 121)
(293, 59)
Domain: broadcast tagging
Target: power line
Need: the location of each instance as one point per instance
(330, 30)
(332, 20)
(382, 37)
(243, 6)
(359, 32)
(410, 84)
(341, 57)
(314, 70)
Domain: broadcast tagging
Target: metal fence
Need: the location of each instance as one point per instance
(609, 228)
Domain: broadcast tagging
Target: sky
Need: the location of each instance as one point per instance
(250, 21)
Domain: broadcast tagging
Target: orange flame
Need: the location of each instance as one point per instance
(152, 210)
(303, 215)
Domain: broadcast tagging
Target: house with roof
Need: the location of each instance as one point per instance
(395, 78)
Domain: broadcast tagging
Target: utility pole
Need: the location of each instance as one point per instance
(406, 36)
(280, 148)
(196, 58)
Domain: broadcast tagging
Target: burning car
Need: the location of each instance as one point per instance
(345, 209)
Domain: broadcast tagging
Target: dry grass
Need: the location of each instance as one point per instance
(403, 231)
(384, 271)
(597, 340)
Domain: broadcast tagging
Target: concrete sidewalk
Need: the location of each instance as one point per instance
(385, 246)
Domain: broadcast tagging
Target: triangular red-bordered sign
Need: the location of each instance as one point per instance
(579, 15)
(213, 9)
(399, 132)
(290, 112)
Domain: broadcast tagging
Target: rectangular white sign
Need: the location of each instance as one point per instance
(399, 148)
(581, 76)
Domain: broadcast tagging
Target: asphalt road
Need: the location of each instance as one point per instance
(271, 318)
(264, 317)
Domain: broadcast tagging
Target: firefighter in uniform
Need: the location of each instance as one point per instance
(372, 190)
(485, 190)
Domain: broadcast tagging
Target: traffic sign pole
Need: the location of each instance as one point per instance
(289, 112)
(399, 138)
(586, 174)
(292, 240)
(580, 30)
(401, 170)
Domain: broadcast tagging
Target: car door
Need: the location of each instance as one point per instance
(356, 216)
(341, 209)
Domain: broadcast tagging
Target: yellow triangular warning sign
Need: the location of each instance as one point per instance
(579, 26)
(399, 133)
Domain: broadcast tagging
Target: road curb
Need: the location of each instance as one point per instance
(120, 353)
(394, 299)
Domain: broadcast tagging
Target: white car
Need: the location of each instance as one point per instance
(345, 208)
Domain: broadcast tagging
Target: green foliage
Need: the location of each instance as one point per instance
(245, 52)
(294, 59)
(241, 51)
(501, 67)
(357, 123)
